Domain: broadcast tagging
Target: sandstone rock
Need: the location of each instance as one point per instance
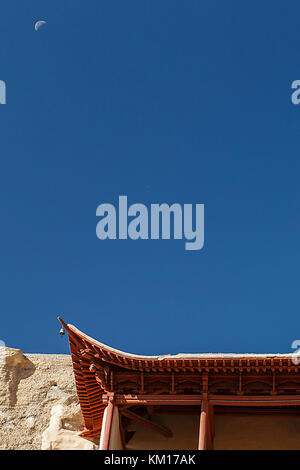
(38, 402)
(55, 437)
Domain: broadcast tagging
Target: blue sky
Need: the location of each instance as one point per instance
(171, 101)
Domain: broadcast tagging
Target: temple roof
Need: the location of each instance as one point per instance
(161, 357)
(96, 366)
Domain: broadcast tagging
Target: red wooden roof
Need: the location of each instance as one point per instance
(94, 364)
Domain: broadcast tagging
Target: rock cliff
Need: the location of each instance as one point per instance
(38, 403)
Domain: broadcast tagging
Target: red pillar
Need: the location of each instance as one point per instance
(203, 428)
(106, 426)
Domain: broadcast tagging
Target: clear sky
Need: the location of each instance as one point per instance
(163, 101)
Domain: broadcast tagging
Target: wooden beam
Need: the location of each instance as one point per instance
(243, 400)
(146, 422)
(231, 400)
(203, 428)
(123, 399)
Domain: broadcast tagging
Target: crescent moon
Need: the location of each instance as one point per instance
(38, 24)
